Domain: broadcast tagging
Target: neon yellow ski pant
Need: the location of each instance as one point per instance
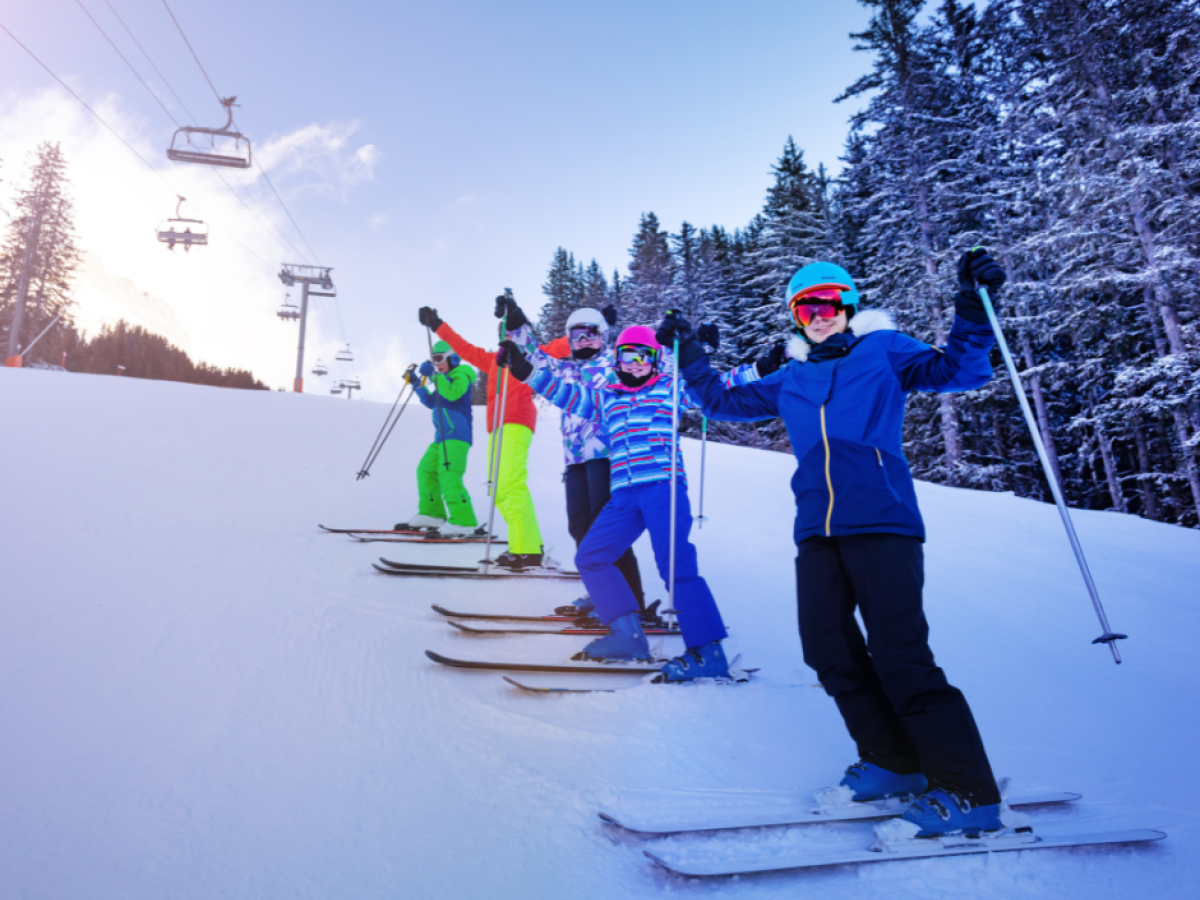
(441, 488)
(513, 499)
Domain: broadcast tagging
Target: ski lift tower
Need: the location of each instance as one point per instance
(314, 281)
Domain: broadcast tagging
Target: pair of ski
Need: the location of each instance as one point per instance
(409, 536)
(485, 570)
(575, 627)
(654, 817)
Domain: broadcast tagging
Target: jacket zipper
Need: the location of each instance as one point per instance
(828, 478)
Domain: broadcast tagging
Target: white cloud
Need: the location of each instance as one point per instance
(319, 159)
(379, 220)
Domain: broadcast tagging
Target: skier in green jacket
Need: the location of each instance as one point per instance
(440, 471)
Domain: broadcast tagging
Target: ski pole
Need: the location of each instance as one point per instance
(437, 399)
(498, 436)
(674, 480)
(714, 343)
(1108, 637)
(378, 445)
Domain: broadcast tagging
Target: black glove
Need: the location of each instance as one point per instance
(675, 327)
(506, 306)
(709, 334)
(772, 360)
(510, 357)
(977, 267)
(428, 317)
(411, 376)
(610, 315)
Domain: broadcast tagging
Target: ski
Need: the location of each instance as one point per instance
(587, 667)
(369, 530)
(583, 631)
(729, 861)
(428, 537)
(665, 813)
(500, 616)
(563, 690)
(393, 568)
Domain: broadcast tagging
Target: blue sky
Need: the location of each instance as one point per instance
(431, 153)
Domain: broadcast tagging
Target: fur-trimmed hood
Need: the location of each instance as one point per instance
(861, 325)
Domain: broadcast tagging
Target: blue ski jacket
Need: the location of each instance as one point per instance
(843, 404)
(454, 389)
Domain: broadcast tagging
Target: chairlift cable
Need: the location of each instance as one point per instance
(194, 56)
(151, 61)
(127, 62)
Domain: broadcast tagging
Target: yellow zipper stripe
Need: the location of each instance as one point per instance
(828, 479)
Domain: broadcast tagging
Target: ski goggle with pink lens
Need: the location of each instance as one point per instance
(824, 303)
(583, 332)
(636, 354)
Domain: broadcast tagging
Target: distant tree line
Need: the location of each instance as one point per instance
(1064, 135)
(38, 260)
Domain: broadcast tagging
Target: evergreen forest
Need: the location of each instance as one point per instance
(1064, 136)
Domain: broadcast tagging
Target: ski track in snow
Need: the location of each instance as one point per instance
(204, 696)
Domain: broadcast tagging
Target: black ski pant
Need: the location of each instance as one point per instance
(901, 712)
(588, 490)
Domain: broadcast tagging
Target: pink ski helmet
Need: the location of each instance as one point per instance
(639, 334)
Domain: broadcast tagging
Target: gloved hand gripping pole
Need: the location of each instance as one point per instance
(373, 453)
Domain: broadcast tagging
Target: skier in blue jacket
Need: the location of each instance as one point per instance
(859, 533)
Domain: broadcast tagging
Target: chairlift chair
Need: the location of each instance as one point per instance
(336, 390)
(288, 310)
(345, 355)
(319, 369)
(179, 230)
(236, 156)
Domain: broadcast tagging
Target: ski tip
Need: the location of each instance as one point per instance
(658, 860)
(437, 657)
(440, 609)
(607, 819)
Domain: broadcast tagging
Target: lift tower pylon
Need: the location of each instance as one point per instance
(310, 279)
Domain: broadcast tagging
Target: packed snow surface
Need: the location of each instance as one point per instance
(202, 695)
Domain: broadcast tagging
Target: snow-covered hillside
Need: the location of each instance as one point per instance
(202, 695)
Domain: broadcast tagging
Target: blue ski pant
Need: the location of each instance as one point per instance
(588, 491)
(899, 708)
(631, 511)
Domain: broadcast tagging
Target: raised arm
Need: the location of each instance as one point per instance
(577, 399)
(961, 366)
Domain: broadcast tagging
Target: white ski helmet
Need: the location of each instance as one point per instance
(585, 315)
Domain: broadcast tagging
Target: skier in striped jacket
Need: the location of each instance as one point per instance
(633, 406)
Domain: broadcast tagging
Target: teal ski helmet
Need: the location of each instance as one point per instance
(823, 275)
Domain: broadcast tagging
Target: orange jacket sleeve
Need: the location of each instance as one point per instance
(559, 348)
(476, 356)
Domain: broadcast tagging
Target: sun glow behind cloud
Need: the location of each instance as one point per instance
(226, 294)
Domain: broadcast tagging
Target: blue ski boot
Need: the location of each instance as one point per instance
(940, 812)
(872, 782)
(625, 641)
(707, 661)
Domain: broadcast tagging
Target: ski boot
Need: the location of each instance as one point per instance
(420, 523)
(871, 782)
(625, 641)
(707, 661)
(577, 609)
(518, 561)
(940, 812)
(449, 529)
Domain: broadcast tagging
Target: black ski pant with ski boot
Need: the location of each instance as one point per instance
(900, 710)
(588, 490)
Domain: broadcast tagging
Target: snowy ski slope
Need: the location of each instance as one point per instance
(203, 696)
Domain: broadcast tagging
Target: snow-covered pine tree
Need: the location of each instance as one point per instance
(38, 259)
(564, 290)
(647, 290)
